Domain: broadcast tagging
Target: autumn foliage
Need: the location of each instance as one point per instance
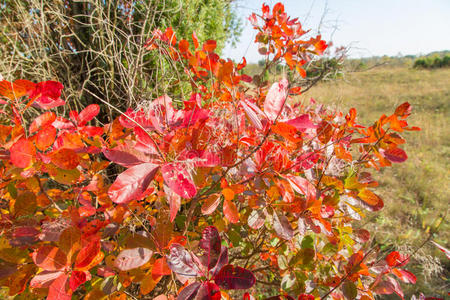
(239, 191)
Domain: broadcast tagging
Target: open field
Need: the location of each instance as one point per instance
(416, 192)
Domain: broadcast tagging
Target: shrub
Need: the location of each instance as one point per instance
(236, 188)
(432, 62)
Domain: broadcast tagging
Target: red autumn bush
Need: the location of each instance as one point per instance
(238, 191)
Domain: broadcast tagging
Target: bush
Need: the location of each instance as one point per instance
(432, 62)
(235, 188)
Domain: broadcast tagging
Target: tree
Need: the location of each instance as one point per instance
(95, 47)
(236, 191)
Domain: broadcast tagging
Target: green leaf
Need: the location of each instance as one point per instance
(308, 242)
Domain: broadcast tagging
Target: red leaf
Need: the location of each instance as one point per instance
(132, 183)
(396, 259)
(126, 155)
(388, 286)
(78, 278)
(160, 268)
(302, 186)
(46, 94)
(23, 153)
(302, 122)
(275, 99)
(208, 291)
(87, 255)
(230, 211)
(234, 278)
(282, 226)
(87, 114)
(405, 275)
(195, 40)
(183, 45)
(211, 244)
(59, 289)
(132, 258)
(50, 258)
(24, 235)
(177, 178)
(209, 46)
(396, 155)
(43, 120)
(403, 110)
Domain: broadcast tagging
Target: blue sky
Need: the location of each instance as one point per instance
(368, 27)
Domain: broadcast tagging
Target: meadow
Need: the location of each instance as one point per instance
(417, 192)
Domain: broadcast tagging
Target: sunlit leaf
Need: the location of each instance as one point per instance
(131, 184)
(23, 153)
(275, 99)
(129, 259)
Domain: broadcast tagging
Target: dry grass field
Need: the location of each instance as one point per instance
(416, 192)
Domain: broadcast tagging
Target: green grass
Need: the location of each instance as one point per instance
(416, 192)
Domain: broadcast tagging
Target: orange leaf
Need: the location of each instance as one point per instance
(70, 241)
(242, 65)
(45, 138)
(209, 46)
(230, 211)
(228, 194)
(65, 159)
(50, 258)
(369, 197)
(287, 131)
(160, 268)
(300, 71)
(17, 89)
(320, 46)
(43, 120)
(89, 256)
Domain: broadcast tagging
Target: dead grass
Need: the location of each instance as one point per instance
(417, 192)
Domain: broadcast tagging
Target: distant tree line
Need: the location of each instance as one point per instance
(434, 62)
